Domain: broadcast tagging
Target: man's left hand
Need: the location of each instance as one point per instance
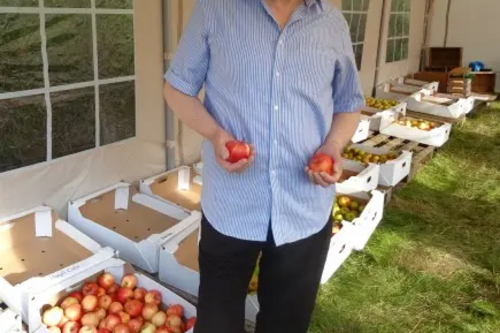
(322, 178)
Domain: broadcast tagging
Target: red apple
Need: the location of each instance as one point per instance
(88, 329)
(90, 319)
(153, 296)
(101, 313)
(101, 292)
(133, 307)
(175, 309)
(53, 316)
(113, 289)
(190, 323)
(74, 312)
(90, 303)
(76, 294)
(105, 301)
(321, 163)
(68, 301)
(163, 329)
(175, 329)
(106, 281)
(174, 321)
(129, 281)
(63, 322)
(148, 328)
(103, 330)
(112, 320)
(124, 295)
(238, 150)
(139, 294)
(149, 310)
(71, 327)
(115, 307)
(54, 329)
(122, 328)
(135, 324)
(159, 319)
(124, 316)
(90, 288)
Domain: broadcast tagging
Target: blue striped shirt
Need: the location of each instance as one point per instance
(278, 90)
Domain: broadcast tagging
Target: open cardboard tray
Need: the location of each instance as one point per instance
(179, 266)
(390, 172)
(117, 268)
(341, 246)
(375, 115)
(358, 177)
(436, 137)
(442, 105)
(38, 250)
(133, 223)
(433, 86)
(363, 130)
(397, 92)
(10, 322)
(367, 222)
(176, 187)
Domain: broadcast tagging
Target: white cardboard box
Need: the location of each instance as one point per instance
(133, 223)
(435, 137)
(433, 86)
(358, 177)
(178, 187)
(375, 115)
(363, 130)
(179, 266)
(117, 268)
(397, 92)
(369, 219)
(442, 105)
(38, 250)
(341, 246)
(390, 172)
(10, 322)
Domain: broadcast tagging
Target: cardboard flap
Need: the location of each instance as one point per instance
(183, 178)
(187, 253)
(43, 223)
(122, 195)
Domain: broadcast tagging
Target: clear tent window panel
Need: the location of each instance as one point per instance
(398, 36)
(356, 15)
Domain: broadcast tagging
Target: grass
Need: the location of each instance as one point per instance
(433, 266)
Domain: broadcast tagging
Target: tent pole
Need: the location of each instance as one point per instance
(379, 48)
(169, 115)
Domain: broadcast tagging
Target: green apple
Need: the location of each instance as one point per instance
(344, 201)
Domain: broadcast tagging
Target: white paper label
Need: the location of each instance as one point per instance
(43, 223)
(183, 178)
(121, 198)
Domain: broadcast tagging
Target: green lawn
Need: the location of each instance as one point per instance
(434, 263)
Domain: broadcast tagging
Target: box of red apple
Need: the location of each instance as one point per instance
(116, 300)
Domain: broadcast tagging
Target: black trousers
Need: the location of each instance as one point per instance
(288, 281)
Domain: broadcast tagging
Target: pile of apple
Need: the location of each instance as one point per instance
(345, 209)
(253, 286)
(381, 104)
(106, 307)
(421, 124)
(359, 155)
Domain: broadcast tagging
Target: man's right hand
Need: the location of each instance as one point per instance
(219, 140)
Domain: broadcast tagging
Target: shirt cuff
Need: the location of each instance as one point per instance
(180, 84)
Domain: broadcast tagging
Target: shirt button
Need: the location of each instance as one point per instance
(275, 142)
(277, 73)
(280, 42)
(276, 108)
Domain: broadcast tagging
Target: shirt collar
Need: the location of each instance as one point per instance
(310, 3)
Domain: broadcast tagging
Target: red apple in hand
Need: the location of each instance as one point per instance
(190, 323)
(238, 150)
(321, 163)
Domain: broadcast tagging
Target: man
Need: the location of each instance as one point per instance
(280, 75)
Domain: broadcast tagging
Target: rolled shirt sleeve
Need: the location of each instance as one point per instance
(189, 67)
(347, 92)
